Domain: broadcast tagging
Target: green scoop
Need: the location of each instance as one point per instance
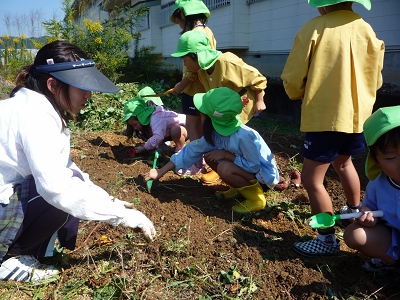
(150, 182)
(325, 220)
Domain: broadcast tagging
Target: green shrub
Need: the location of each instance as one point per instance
(14, 56)
(104, 111)
(107, 43)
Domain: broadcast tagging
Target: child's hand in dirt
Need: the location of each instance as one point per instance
(152, 174)
(132, 152)
(140, 150)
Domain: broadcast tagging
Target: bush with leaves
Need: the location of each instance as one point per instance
(106, 42)
(104, 111)
(14, 55)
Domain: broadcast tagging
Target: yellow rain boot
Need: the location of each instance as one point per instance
(209, 177)
(255, 199)
(226, 195)
(231, 193)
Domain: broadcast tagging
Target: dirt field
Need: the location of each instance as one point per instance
(200, 236)
(203, 250)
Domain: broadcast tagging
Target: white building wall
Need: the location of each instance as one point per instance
(222, 24)
(152, 36)
(384, 18)
(93, 13)
(262, 32)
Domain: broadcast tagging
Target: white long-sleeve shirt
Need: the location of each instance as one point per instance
(33, 143)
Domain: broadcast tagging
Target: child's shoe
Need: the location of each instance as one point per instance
(193, 170)
(227, 195)
(254, 198)
(210, 177)
(25, 268)
(323, 245)
(377, 265)
(347, 209)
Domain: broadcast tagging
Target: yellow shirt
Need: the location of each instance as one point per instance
(195, 85)
(335, 66)
(232, 72)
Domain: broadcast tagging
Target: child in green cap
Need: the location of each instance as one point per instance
(129, 131)
(192, 15)
(380, 239)
(155, 124)
(335, 68)
(236, 152)
(217, 69)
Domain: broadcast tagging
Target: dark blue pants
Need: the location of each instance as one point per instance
(41, 221)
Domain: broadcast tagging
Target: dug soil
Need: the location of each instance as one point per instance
(200, 240)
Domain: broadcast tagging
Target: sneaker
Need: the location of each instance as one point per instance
(193, 170)
(377, 265)
(318, 247)
(347, 210)
(25, 268)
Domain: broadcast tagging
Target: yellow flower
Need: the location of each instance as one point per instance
(92, 27)
(1, 41)
(23, 36)
(6, 37)
(16, 40)
(98, 40)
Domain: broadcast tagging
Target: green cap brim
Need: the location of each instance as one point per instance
(322, 3)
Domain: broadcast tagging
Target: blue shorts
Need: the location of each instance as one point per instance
(188, 107)
(327, 145)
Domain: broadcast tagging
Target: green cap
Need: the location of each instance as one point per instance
(223, 106)
(149, 91)
(137, 108)
(380, 122)
(190, 7)
(196, 41)
(322, 3)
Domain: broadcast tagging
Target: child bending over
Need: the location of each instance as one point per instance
(236, 152)
(155, 123)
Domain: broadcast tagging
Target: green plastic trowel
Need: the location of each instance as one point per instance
(325, 220)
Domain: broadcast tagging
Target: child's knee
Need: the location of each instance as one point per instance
(354, 236)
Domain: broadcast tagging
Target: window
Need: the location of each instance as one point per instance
(165, 13)
(168, 9)
(213, 4)
(252, 1)
(144, 23)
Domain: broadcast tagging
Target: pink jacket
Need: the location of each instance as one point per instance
(161, 123)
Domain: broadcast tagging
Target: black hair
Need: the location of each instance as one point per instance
(192, 55)
(145, 133)
(387, 140)
(191, 21)
(59, 51)
(177, 14)
(208, 130)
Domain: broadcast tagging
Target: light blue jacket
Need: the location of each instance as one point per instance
(252, 154)
(384, 194)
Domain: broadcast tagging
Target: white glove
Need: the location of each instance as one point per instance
(136, 219)
(122, 203)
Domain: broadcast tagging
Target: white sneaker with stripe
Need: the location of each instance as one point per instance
(25, 268)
